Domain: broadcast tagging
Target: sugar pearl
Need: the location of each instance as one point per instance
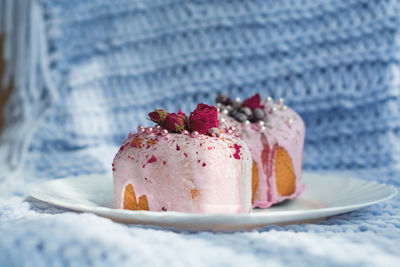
(229, 131)
(262, 128)
(237, 99)
(131, 134)
(222, 120)
(284, 107)
(261, 123)
(247, 122)
(225, 111)
(280, 101)
(149, 130)
(232, 128)
(185, 132)
(194, 134)
(269, 99)
(164, 132)
(141, 130)
(273, 110)
(140, 127)
(157, 128)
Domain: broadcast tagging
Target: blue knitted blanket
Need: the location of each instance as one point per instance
(86, 73)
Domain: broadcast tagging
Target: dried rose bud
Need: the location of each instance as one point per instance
(253, 102)
(174, 123)
(158, 116)
(203, 118)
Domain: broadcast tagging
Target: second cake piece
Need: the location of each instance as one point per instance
(274, 134)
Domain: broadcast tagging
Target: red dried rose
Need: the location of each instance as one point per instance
(203, 118)
(253, 102)
(158, 116)
(174, 123)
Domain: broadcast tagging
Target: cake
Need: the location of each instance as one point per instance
(274, 134)
(184, 164)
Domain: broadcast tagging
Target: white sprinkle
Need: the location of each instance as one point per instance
(261, 123)
(225, 111)
(222, 119)
(273, 110)
(219, 105)
(237, 99)
(262, 128)
(284, 107)
(269, 99)
(280, 101)
(246, 122)
(290, 122)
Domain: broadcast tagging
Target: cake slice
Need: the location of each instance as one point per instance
(183, 164)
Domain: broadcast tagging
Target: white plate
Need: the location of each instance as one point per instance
(326, 195)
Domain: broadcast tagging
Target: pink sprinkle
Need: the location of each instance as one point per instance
(237, 148)
(164, 162)
(197, 152)
(178, 147)
(198, 161)
(209, 148)
(152, 159)
(201, 144)
(185, 154)
(203, 164)
(144, 165)
(113, 169)
(122, 148)
(112, 164)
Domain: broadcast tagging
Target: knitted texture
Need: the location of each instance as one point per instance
(87, 72)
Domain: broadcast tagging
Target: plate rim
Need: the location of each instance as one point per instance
(33, 191)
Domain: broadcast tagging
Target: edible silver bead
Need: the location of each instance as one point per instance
(194, 134)
(164, 132)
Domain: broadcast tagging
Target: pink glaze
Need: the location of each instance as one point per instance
(278, 133)
(168, 169)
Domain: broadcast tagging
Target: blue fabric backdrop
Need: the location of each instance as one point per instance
(87, 72)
